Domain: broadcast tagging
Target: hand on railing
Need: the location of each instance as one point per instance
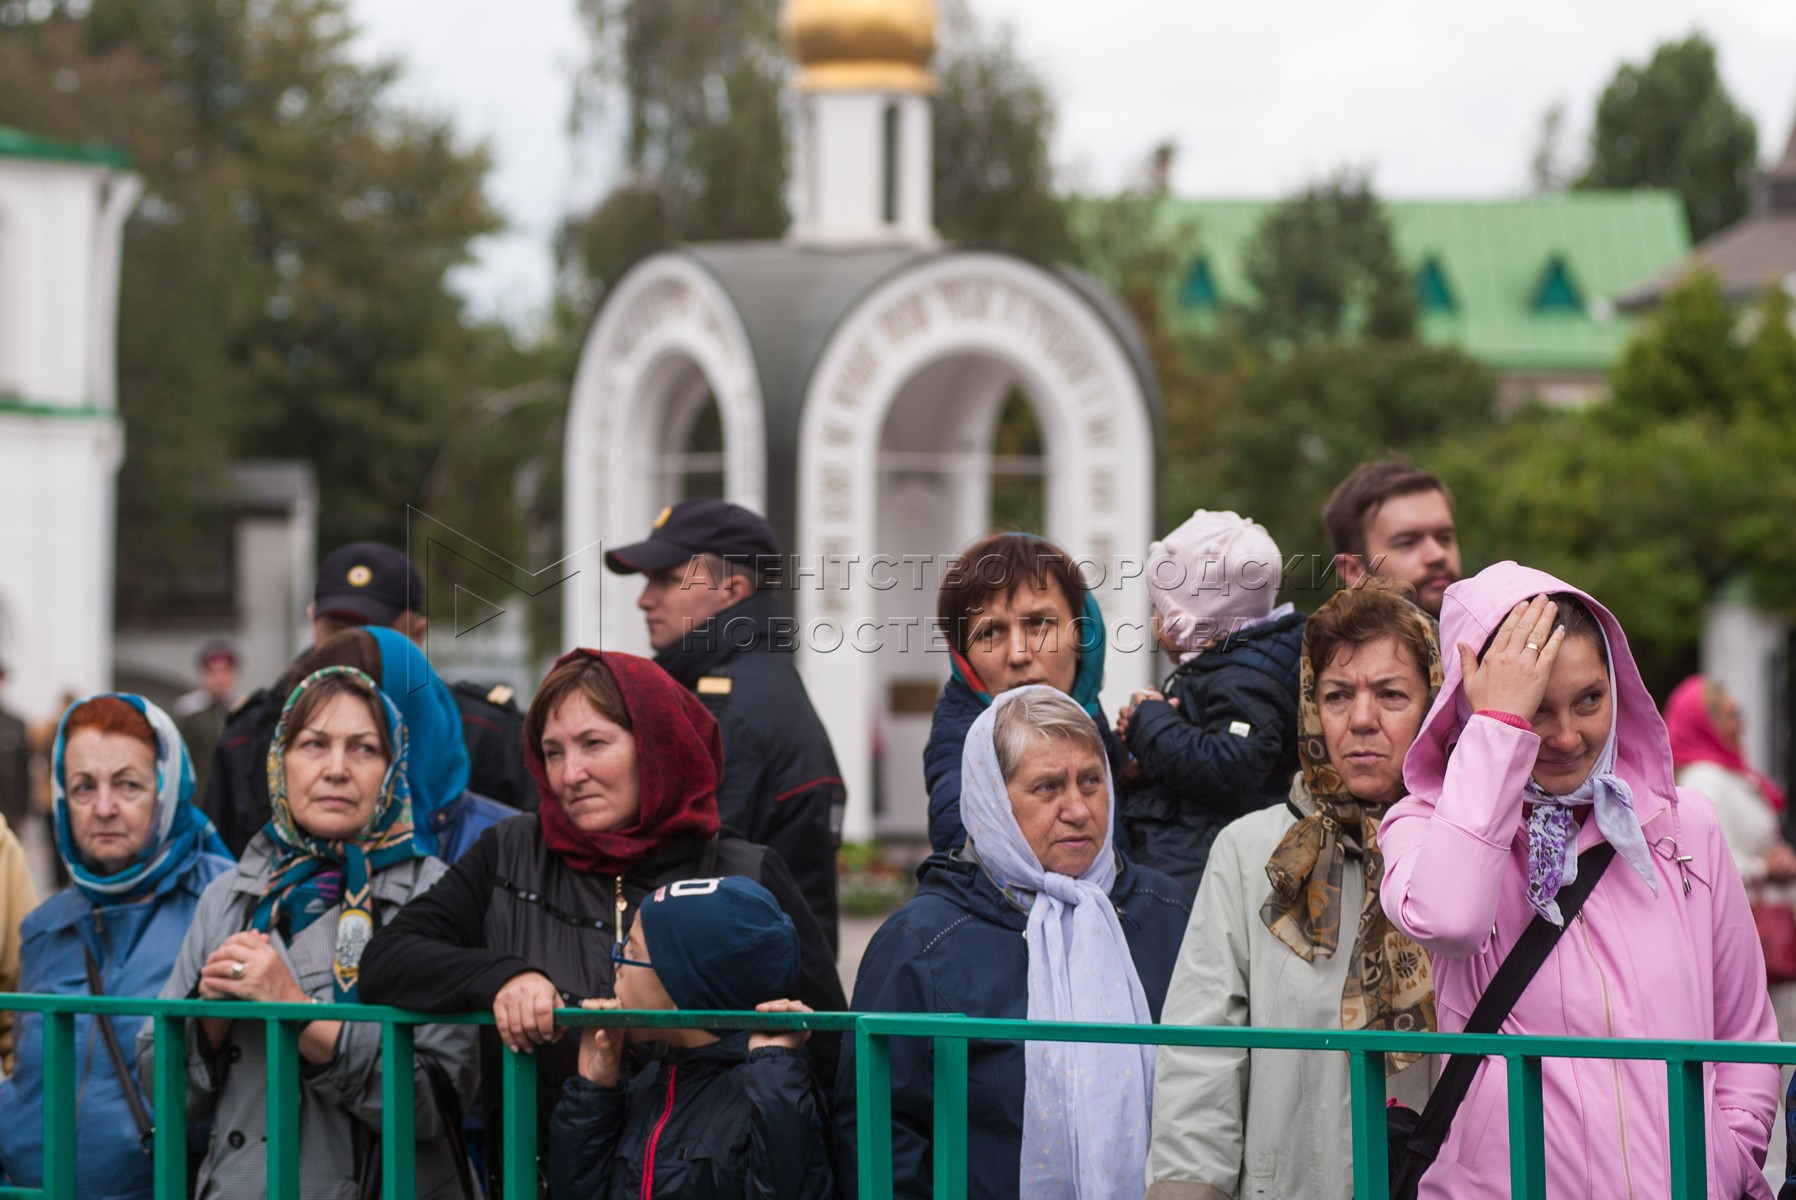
(601, 1048)
(791, 1040)
(524, 1011)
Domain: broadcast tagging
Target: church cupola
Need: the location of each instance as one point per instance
(864, 147)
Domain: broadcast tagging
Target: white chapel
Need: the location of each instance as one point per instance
(62, 214)
(852, 376)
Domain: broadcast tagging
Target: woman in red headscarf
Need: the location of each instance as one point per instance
(530, 918)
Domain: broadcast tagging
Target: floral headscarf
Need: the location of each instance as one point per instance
(310, 876)
(1389, 982)
(178, 834)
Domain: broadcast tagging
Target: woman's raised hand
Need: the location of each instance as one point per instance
(1513, 676)
(791, 1040)
(246, 966)
(601, 1049)
(524, 1011)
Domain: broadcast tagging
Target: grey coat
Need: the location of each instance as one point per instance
(228, 1085)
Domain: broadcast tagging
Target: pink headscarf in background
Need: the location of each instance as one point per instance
(1694, 739)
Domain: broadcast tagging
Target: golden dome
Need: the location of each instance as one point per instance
(861, 45)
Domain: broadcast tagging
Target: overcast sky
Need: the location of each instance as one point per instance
(1439, 99)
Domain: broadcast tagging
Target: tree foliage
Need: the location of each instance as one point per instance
(994, 125)
(1653, 502)
(697, 89)
(1322, 265)
(1672, 124)
(284, 286)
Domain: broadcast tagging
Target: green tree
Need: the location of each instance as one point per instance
(994, 125)
(1672, 124)
(1303, 421)
(284, 288)
(1685, 360)
(697, 88)
(1322, 265)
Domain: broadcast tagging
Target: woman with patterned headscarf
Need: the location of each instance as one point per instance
(140, 855)
(1267, 944)
(1544, 746)
(336, 859)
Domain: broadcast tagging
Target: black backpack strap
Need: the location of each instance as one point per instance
(140, 1113)
(1506, 987)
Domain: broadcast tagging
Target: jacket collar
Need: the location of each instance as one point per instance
(742, 627)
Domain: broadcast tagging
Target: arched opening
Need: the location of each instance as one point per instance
(1018, 479)
(691, 451)
(961, 453)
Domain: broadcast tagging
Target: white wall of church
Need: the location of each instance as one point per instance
(56, 555)
(840, 190)
(60, 442)
(1096, 429)
(668, 332)
(59, 252)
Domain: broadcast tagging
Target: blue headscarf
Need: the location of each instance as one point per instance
(1087, 682)
(179, 834)
(438, 773)
(309, 876)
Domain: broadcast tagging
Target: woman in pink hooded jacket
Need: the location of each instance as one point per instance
(1543, 742)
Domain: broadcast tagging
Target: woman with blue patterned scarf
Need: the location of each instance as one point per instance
(140, 855)
(336, 859)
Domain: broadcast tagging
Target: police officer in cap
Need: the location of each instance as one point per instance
(363, 583)
(709, 569)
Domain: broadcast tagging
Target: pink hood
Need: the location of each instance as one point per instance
(1470, 612)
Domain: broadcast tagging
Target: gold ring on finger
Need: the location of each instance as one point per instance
(1534, 646)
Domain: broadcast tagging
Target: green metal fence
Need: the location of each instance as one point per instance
(872, 1034)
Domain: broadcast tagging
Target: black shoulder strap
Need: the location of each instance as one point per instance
(140, 1113)
(1506, 987)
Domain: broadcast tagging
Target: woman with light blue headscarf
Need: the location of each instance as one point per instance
(140, 855)
(1037, 916)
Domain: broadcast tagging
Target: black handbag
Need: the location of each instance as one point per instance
(449, 1107)
(1415, 1139)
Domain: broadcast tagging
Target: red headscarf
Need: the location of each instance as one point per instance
(1694, 739)
(679, 759)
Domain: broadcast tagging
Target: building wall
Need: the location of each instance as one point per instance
(56, 555)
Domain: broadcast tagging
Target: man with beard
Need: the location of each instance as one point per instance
(1395, 520)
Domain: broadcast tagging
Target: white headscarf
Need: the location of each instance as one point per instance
(1086, 1107)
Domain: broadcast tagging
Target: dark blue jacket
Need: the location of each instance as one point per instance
(1228, 749)
(955, 711)
(717, 1122)
(460, 823)
(134, 946)
(958, 947)
(781, 787)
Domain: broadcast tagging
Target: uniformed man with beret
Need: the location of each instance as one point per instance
(709, 573)
(363, 583)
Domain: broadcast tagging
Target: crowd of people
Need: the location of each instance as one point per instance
(1390, 815)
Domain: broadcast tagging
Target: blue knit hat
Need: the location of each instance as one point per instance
(719, 943)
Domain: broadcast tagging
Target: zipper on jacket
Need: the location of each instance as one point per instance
(617, 923)
(648, 1158)
(1621, 1112)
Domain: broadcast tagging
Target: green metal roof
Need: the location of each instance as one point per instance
(16, 143)
(1499, 272)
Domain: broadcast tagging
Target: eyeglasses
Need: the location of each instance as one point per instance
(618, 959)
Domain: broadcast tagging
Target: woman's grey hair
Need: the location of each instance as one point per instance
(1037, 716)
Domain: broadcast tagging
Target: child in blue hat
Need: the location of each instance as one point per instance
(690, 1114)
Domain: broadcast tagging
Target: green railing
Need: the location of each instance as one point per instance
(1365, 1054)
(872, 1035)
